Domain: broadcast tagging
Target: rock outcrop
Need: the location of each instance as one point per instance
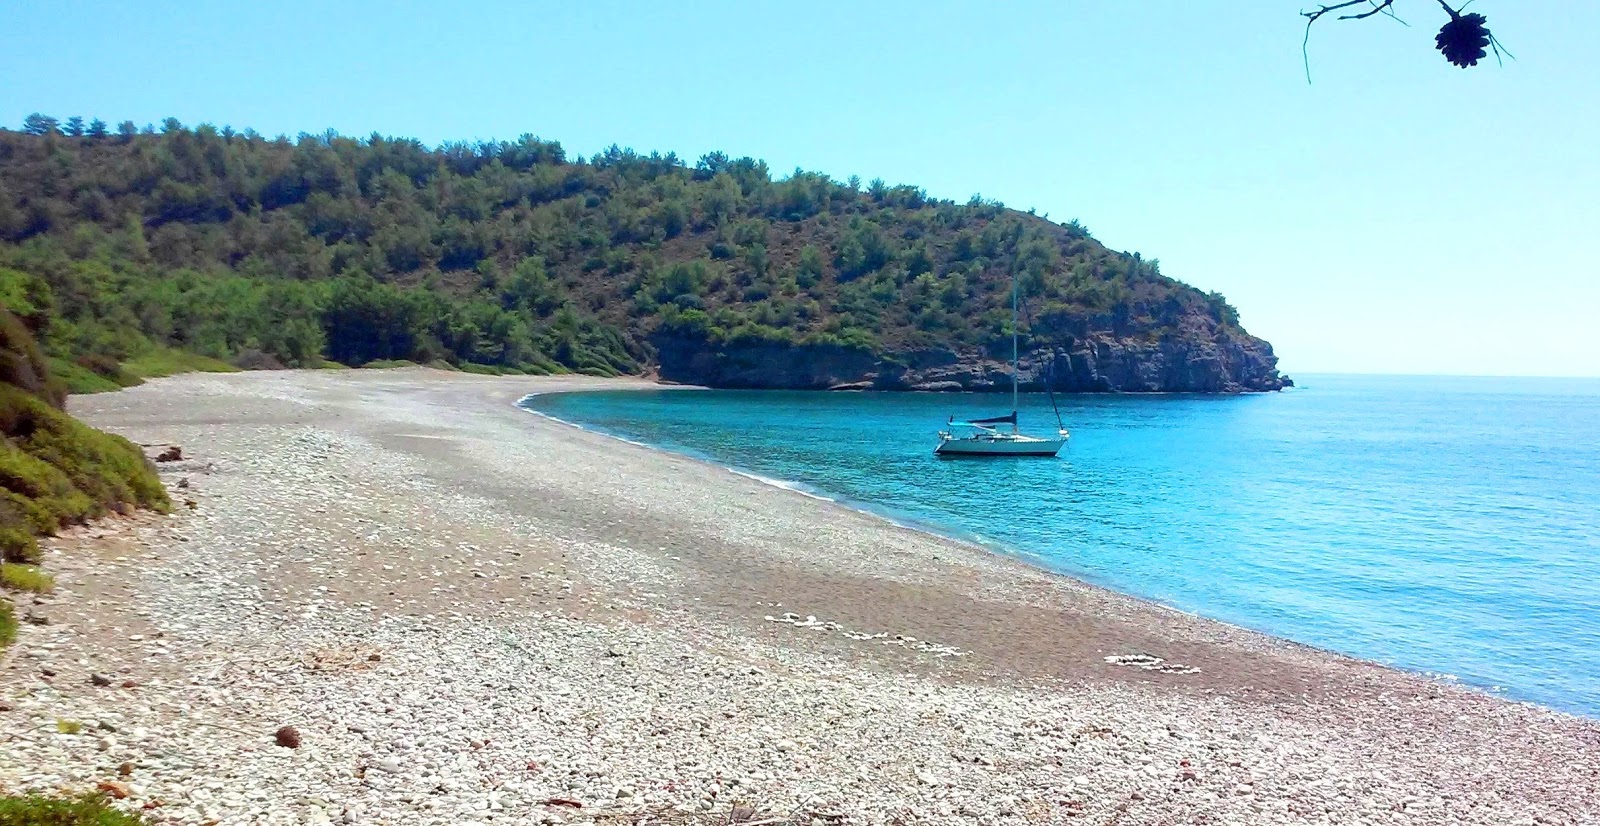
(1236, 363)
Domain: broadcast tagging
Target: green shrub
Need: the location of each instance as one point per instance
(55, 470)
(8, 623)
(22, 364)
(81, 380)
(165, 361)
(16, 576)
(85, 810)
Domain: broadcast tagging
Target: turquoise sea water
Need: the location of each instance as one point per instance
(1447, 525)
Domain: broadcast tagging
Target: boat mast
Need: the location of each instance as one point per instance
(1013, 352)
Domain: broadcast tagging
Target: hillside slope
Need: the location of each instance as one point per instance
(55, 470)
(512, 257)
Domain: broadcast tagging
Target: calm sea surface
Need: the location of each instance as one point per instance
(1447, 525)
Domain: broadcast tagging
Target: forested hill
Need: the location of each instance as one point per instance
(515, 257)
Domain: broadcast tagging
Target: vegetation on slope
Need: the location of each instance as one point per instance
(516, 257)
(54, 470)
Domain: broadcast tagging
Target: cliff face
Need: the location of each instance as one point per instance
(1223, 361)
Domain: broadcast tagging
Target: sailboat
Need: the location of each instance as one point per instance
(984, 437)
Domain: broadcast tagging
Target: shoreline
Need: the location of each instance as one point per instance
(472, 615)
(1005, 553)
(993, 549)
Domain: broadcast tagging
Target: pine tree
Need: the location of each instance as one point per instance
(97, 129)
(37, 124)
(75, 126)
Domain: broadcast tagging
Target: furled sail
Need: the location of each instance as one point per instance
(1010, 418)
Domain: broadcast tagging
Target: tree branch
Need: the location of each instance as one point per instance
(1384, 7)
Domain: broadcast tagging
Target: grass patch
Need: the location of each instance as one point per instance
(56, 471)
(8, 623)
(491, 369)
(81, 380)
(85, 810)
(165, 361)
(385, 364)
(16, 576)
(69, 727)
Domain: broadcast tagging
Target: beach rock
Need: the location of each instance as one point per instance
(115, 789)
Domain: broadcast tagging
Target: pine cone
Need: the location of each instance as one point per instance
(1464, 40)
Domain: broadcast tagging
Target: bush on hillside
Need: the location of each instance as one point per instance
(55, 470)
(23, 365)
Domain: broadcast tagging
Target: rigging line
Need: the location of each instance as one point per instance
(1014, 366)
(1050, 387)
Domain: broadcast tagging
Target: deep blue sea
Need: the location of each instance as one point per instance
(1445, 525)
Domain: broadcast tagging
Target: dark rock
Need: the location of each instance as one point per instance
(100, 680)
(173, 453)
(288, 737)
(764, 365)
(253, 359)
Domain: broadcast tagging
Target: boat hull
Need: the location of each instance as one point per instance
(976, 448)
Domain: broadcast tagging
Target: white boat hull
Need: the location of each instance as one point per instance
(1004, 445)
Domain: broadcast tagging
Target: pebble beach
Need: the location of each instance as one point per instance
(393, 597)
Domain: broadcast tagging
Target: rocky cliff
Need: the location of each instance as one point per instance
(1227, 361)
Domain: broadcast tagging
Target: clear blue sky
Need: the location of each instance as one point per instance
(1398, 215)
